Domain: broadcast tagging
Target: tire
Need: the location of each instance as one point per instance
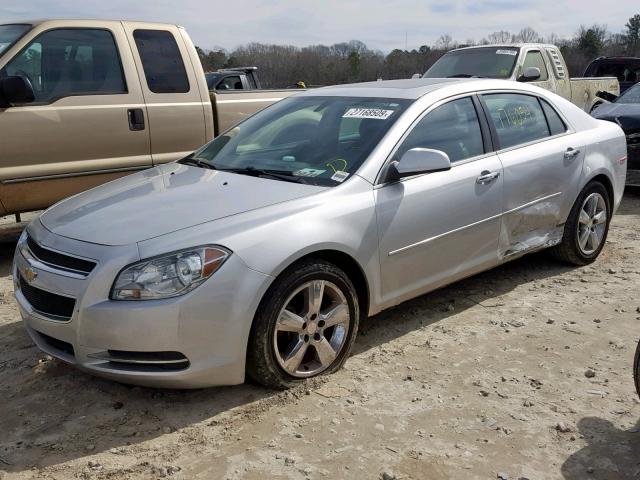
(277, 339)
(571, 250)
(636, 369)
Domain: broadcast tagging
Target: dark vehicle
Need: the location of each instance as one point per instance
(636, 369)
(625, 69)
(625, 111)
(241, 78)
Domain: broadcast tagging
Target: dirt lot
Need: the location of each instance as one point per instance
(524, 371)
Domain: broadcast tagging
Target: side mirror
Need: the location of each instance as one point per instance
(222, 86)
(16, 91)
(418, 161)
(530, 74)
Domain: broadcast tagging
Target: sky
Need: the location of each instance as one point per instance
(381, 24)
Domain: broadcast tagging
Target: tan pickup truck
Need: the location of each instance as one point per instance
(539, 64)
(86, 101)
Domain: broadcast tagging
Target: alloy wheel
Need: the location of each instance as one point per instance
(311, 329)
(592, 224)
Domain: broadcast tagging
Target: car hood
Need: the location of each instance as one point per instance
(627, 115)
(162, 200)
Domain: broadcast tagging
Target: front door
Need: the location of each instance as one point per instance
(439, 227)
(77, 132)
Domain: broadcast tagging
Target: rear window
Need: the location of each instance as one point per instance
(162, 62)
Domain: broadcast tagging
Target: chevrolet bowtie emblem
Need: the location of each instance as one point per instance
(30, 274)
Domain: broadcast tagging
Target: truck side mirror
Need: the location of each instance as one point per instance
(16, 90)
(530, 74)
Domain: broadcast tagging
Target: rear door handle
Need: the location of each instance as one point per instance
(487, 177)
(571, 153)
(136, 119)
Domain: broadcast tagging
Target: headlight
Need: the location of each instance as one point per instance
(168, 275)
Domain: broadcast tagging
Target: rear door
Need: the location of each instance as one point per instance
(542, 160)
(171, 91)
(77, 132)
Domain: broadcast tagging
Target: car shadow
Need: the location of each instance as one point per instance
(610, 454)
(52, 413)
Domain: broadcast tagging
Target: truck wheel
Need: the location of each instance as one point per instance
(305, 325)
(636, 369)
(586, 229)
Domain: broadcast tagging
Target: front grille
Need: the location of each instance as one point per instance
(56, 344)
(53, 306)
(59, 260)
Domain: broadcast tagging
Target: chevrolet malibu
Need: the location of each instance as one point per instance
(261, 252)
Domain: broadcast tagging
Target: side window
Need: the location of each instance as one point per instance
(534, 59)
(556, 125)
(452, 128)
(161, 61)
(517, 118)
(69, 62)
(230, 83)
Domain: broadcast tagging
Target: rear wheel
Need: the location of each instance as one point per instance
(586, 229)
(305, 326)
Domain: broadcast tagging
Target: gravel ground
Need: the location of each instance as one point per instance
(521, 372)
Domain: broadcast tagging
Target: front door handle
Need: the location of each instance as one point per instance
(136, 119)
(487, 177)
(571, 153)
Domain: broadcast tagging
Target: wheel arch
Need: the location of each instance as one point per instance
(608, 185)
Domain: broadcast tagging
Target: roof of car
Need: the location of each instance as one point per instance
(408, 88)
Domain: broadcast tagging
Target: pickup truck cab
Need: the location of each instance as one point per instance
(83, 102)
(539, 64)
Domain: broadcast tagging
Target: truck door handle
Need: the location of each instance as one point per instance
(487, 177)
(136, 119)
(571, 153)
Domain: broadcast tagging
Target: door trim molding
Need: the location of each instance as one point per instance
(459, 229)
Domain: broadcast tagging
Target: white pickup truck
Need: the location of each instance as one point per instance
(535, 63)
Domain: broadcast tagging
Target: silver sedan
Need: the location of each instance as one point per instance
(262, 251)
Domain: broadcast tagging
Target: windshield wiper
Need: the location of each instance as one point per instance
(195, 161)
(284, 175)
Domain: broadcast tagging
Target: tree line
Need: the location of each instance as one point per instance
(282, 66)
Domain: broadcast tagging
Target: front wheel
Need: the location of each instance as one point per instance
(586, 229)
(304, 327)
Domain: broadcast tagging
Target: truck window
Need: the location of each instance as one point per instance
(452, 128)
(162, 61)
(491, 62)
(65, 62)
(534, 59)
(517, 118)
(230, 83)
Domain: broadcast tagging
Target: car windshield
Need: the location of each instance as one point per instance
(630, 96)
(10, 33)
(314, 140)
(490, 62)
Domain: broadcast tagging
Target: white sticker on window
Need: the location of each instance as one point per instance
(308, 172)
(507, 52)
(340, 176)
(375, 113)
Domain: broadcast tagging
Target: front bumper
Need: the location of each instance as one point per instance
(196, 340)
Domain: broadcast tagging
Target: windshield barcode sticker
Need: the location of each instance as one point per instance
(507, 52)
(375, 113)
(340, 176)
(308, 172)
